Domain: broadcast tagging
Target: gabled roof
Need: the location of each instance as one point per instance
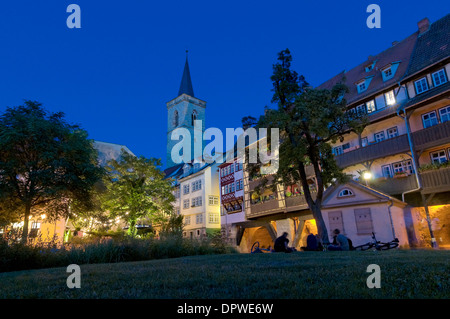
(432, 46)
(173, 171)
(377, 196)
(108, 151)
(400, 52)
(186, 83)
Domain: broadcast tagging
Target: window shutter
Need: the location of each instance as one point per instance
(363, 219)
(335, 220)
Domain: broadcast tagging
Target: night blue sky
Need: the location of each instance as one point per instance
(115, 74)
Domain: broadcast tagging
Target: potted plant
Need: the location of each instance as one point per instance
(400, 174)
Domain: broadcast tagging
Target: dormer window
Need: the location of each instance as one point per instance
(388, 71)
(186, 169)
(361, 86)
(346, 192)
(370, 67)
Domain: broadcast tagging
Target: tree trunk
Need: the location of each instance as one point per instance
(25, 224)
(132, 228)
(320, 222)
(314, 206)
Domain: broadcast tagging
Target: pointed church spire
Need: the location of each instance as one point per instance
(186, 83)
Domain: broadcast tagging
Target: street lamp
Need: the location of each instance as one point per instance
(367, 175)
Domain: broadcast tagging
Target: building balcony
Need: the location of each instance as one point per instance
(433, 181)
(268, 207)
(392, 146)
(430, 137)
(436, 180)
(276, 206)
(395, 186)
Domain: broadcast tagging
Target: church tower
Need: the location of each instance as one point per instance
(182, 111)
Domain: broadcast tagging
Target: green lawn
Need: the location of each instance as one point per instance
(404, 274)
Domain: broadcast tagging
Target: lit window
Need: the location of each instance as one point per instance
(213, 200)
(439, 77)
(444, 113)
(390, 98)
(214, 218)
(345, 193)
(371, 106)
(421, 85)
(35, 225)
(439, 157)
(429, 119)
(364, 142)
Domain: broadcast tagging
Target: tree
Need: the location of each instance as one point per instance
(45, 163)
(309, 120)
(136, 189)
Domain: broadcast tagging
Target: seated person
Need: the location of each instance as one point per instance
(312, 243)
(281, 244)
(341, 242)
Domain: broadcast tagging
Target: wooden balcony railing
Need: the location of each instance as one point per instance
(395, 186)
(432, 136)
(275, 206)
(422, 139)
(436, 180)
(433, 181)
(268, 207)
(392, 146)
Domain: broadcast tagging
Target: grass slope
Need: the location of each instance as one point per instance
(404, 274)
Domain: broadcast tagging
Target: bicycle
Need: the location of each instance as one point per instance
(256, 250)
(378, 245)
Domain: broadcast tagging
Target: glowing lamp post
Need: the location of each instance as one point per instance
(367, 176)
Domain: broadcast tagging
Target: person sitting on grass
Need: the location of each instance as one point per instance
(281, 244)
(312, 243)
(341, 242)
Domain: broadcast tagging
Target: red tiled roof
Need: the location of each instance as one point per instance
(401, 52)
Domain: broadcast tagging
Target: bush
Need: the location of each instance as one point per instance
(17, 256)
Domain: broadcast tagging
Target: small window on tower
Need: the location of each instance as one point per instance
(194, 117)
(175, 118)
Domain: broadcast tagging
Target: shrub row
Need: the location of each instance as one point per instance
(17, 256)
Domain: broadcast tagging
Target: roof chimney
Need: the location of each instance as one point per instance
(423, 25)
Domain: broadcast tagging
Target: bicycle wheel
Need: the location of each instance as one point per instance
(363, 247)
(255, 247)
(388, 246)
